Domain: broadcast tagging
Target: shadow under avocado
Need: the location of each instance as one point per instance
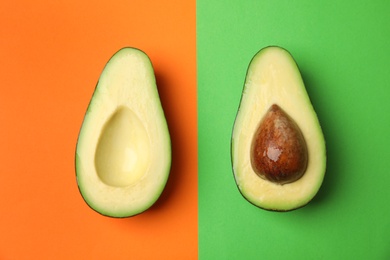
(178, 158)
(330, 183)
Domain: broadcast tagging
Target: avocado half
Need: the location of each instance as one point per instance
(123, 153)
(266, 176)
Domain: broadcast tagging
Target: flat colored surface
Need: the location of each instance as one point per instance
(343, 51)
(51, 56)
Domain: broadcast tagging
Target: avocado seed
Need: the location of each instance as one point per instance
(278, 151)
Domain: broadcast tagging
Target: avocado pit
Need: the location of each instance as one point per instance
(278, 151)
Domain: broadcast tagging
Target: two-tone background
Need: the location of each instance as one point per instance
(51, 55)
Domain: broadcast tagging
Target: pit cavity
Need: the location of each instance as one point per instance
(123, 151)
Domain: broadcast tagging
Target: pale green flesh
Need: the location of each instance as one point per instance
(123, 153)
(274, 78)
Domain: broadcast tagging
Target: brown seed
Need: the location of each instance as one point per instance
(278, 152)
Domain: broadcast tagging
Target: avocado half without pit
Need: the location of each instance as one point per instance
(278, 148)
(123, 153)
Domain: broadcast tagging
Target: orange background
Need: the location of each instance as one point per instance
(51, 56)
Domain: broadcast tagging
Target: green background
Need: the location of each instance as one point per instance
(343, 51)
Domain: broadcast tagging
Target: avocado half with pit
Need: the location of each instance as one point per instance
(278, 148)
(123, 153)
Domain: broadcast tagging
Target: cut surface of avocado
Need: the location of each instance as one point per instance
(280, 169)
(123, 153)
